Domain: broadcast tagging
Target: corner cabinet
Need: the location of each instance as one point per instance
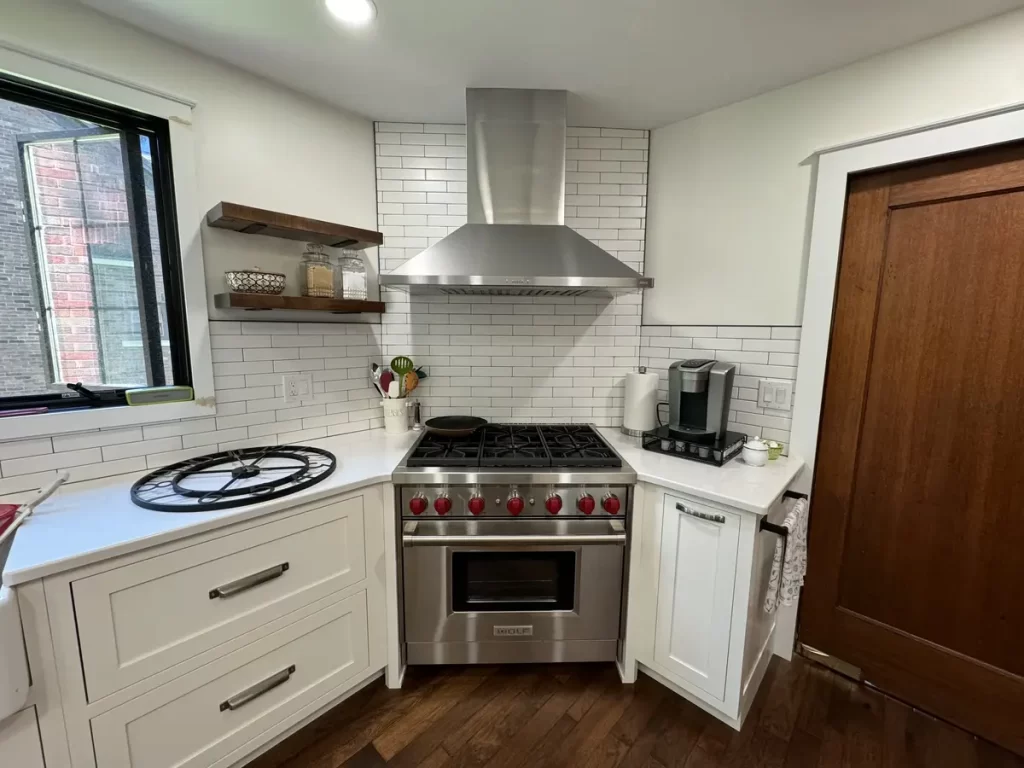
(696, 623)
(205, 651)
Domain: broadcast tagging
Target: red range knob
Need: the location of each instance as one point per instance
(476, 505)
(586, 504)
(554, 504)
(611, 504)
(442, 505)
(515, 504)
(418, 505)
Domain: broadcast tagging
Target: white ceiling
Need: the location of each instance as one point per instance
(628, 63)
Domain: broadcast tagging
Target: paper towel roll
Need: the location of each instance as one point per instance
(640, 410)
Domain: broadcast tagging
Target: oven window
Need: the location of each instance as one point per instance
(513, 581)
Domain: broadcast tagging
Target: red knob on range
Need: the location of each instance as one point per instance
(442, 505)
(476, 505)
(586, 504)
(418, 505)
(611, 504)
(515, 504)
(553, 503)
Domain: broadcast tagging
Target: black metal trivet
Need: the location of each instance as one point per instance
(233, 478)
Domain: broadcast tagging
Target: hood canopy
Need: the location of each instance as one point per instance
(515, 241)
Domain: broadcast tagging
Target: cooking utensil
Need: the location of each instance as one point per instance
(454, 426)
(375, 373)
(29, 506)
(394, 390)
(385, 381)
(401, 365)
(410, 381)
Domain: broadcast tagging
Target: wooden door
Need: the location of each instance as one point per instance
(916, 570)
(698, 575)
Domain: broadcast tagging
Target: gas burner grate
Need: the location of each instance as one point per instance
(577, 445)
(513, 445)
(517, 445)
(440, 451)
(232, 478)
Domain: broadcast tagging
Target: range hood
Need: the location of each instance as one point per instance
(515, 242)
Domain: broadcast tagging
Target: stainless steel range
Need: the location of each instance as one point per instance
(513, 545)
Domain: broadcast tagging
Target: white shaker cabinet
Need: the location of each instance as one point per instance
(19, 741)
(697, 580)
(695, 592)
(203, 651)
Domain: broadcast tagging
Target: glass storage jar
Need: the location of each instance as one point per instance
(317, 272)
(351, 276)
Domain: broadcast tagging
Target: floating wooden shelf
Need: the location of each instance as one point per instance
(256, 301)
(256, 221)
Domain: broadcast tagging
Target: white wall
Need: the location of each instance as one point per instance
(730, 189)
(256, 143)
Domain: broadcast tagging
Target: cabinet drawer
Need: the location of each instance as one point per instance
(199, 722)
(142, 618)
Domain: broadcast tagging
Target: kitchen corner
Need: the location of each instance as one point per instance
(373, 394)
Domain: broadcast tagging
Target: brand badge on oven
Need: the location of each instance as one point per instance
(525, 630)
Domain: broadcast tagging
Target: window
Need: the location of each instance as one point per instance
(90, 271)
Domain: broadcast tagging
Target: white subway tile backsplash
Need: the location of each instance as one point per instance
(250, 404)
(495, 355)
(63, 460)
(529, 359)
(17, 449)
(752, 348)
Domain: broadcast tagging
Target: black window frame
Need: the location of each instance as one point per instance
(131, 125)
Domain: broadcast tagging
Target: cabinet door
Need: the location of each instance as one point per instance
(695, 592)
(19, 741)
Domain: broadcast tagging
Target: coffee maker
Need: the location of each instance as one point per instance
(699, 393)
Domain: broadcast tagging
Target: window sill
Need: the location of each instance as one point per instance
(39, 425)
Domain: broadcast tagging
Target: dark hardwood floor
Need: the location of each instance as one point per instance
(581, 715)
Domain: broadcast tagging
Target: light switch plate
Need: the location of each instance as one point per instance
(775, 395)
(297, 387)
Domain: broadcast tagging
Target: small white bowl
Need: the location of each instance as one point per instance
(755, 452)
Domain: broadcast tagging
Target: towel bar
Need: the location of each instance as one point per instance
(778, 530)
(793, 495)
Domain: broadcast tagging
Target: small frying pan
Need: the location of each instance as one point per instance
(454, 426)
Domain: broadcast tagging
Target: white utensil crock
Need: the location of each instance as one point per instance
(396, 416)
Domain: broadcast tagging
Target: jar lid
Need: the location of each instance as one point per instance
(755, 444)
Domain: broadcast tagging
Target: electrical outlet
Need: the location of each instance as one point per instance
(297, 387)
(775, 395)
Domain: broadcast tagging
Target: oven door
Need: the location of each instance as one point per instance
(472, 587)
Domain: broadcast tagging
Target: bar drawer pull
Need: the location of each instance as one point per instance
(720, 519)
(255, 691)
(248, 582)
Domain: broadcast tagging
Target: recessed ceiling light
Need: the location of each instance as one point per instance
(357, 13)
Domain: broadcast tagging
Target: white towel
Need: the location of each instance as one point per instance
(787, 578)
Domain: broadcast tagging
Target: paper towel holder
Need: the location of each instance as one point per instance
(638, 433)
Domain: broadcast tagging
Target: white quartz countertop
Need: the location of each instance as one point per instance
(753, 489)
(85, 523)
(88, 522)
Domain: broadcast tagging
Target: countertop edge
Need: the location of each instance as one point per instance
(743, 506)
(13, 578)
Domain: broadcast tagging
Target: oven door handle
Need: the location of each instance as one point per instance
(411, 539)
